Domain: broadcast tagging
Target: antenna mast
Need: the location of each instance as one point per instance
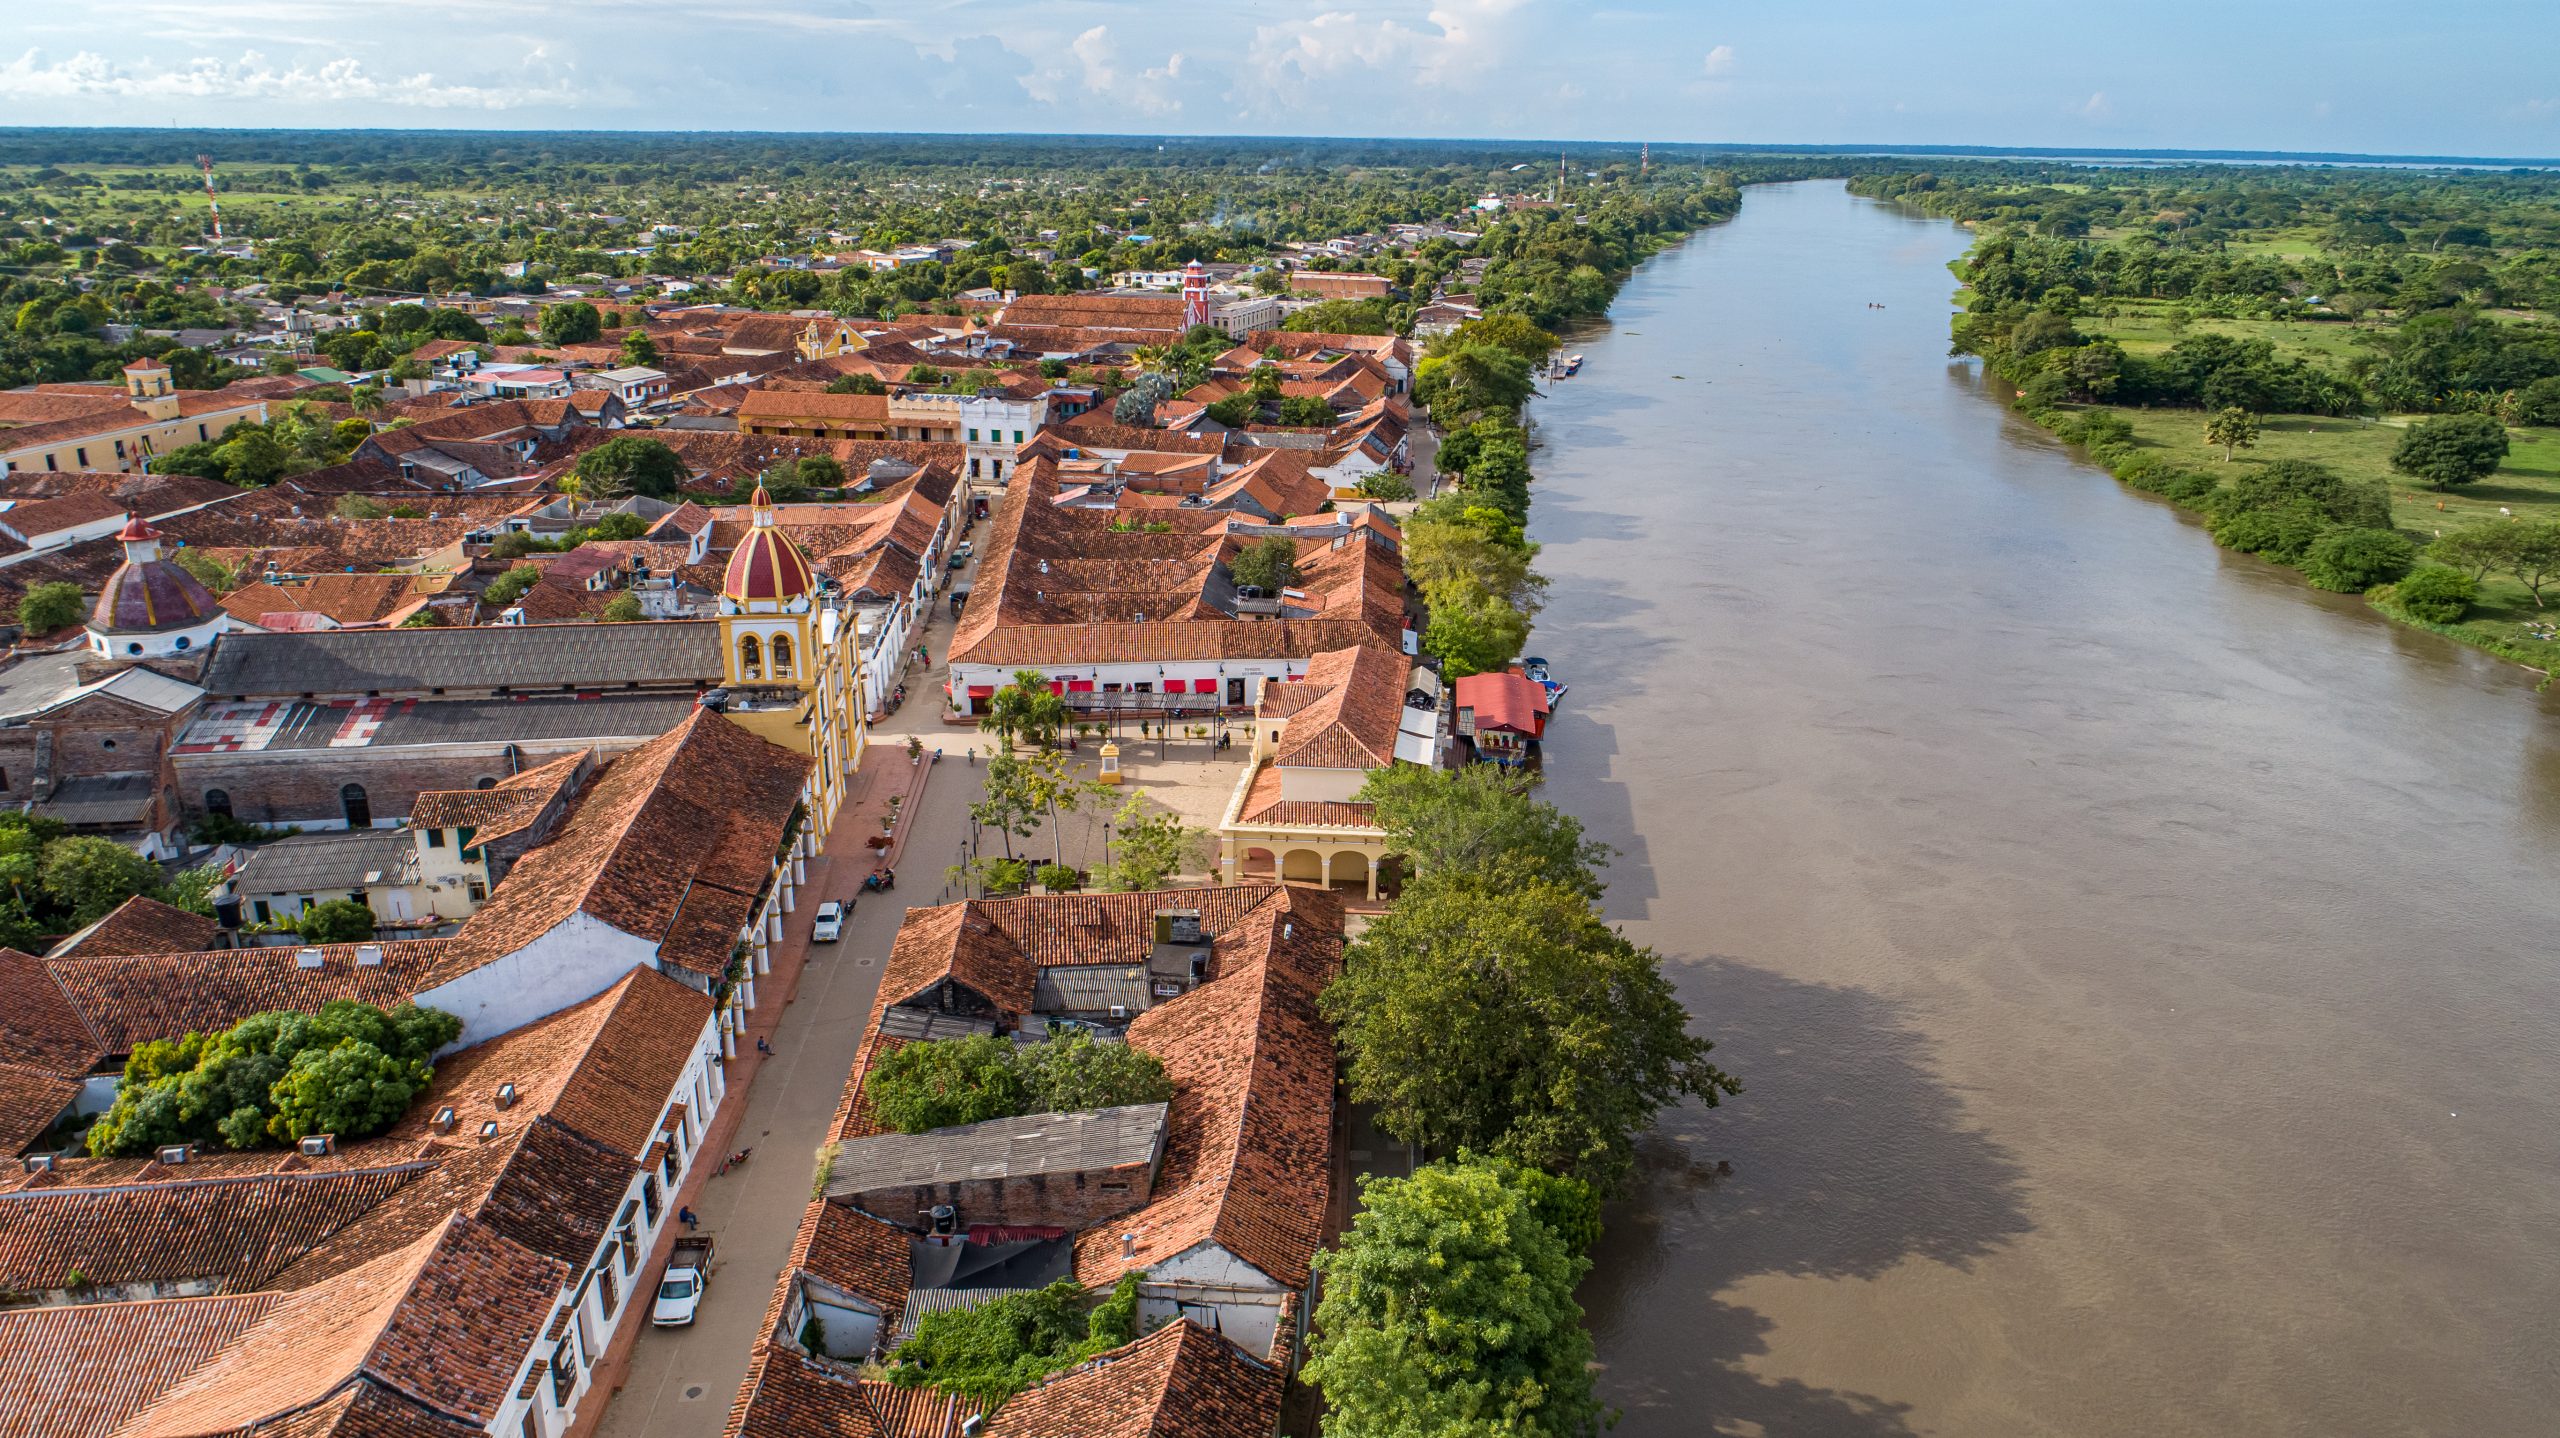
(205, 163)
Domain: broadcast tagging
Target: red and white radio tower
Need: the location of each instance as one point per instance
(1195, 295)
(205, 163)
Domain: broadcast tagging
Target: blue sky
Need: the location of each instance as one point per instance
(2466, 76)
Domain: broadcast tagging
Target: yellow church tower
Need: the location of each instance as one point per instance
(792, 663)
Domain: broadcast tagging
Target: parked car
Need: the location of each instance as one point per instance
(829, 925)
(968, 548)
(680, 1287)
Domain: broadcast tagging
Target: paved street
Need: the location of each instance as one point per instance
(680, 1381)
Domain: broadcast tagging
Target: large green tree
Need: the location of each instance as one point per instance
(1482, 822)
(2451, 450)
(1448, 1312)
(274, 1077)
(631, 464)
(1508, 1019)
(571, 323)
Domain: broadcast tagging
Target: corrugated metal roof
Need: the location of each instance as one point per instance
(1089, 988)
(334, 864)
(1086, 1142)
(543, 656)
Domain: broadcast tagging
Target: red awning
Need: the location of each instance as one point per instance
(982, 691)
(1080, 686)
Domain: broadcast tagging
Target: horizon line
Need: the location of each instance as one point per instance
(1951, 149)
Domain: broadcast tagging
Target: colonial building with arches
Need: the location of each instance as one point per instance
(1296, 814)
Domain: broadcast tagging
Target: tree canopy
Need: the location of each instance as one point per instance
(2451, 450)
(1508, 1019)
(1448, 1311)
(273, 1078)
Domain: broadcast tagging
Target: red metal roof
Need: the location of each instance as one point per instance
(1505, 701)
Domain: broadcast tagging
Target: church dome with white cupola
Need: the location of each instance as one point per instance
(150, 608)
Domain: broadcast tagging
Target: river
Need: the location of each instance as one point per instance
(2140, 963)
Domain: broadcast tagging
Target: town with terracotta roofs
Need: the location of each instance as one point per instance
(706, 871)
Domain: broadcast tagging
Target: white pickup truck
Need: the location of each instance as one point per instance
(680, 1287)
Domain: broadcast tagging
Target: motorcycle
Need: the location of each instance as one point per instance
(879, 881)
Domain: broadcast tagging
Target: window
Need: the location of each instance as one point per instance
(119, 449)
(49, 464)
(184, 642)
(750, 657)
(83, 455)
(477, 890)
(564, 1371)
(973, 436)
(484, 782)
(4, 781)
(359, 810)
(607, 1293)
(106, 743)
(435, 838)
(264, 913)
(201, 436)
(781, 656)
(1017, 436)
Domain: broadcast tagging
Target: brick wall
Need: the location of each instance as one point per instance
(1068, 1200)
(303, 787)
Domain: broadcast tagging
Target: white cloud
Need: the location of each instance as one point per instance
(2096, 107)
(1097, 72)
(1722, 61)
(1460, 45)
(87, 75)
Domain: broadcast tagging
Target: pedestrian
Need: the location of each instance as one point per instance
(761, 1046)
(685, 1217)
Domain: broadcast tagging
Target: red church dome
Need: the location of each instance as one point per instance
(766, 565)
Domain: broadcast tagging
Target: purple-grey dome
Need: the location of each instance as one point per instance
(149, 596)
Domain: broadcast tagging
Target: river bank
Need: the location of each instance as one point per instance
(2133, 955)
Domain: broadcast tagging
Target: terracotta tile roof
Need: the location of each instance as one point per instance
(1263, 804)
(129, 999)
(445, 1323)
(1153, 312)
(505, 810)
(812, 407)
(30, 1100)
(80, 1372)
(958, 942)
(1249, 1152)
(141, 925)
(1060, 587)
(1350, 721)
(787, 1396)
(669, 843)
(1181, 1381)
(234, 1232)
(998, 946)
(40, 1026)
(346, 598)
(32, 520)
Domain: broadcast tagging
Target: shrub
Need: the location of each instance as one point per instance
(2145, 472)
(1386, 484)
(2191, 487)
(621, 524)
(2436, 593)
(623, 608)
(2540, 402)
(509, 587)
(89, 876)
(933, 1085)
(998, 1348)
(2351, 561)
(1057, 878)
(52, 605)
(335, 921)
(2284, 535)
(2451, 450)
(1069, 1074)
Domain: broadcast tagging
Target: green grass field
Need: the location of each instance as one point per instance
(2527, 486)
(2143, 327)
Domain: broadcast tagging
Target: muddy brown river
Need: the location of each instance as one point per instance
(2142, 965)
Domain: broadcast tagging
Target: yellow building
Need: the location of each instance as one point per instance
(1296, 814)
(98, 427)
(791, 662)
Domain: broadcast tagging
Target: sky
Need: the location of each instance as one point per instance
(2465, 77)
